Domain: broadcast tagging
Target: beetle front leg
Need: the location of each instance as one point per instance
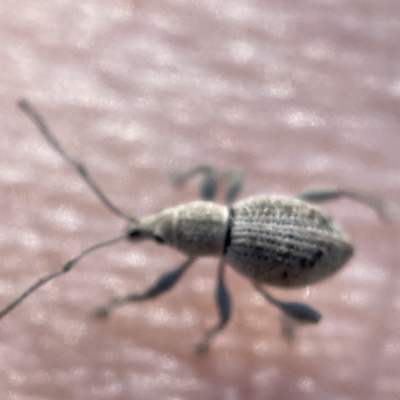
(211, 180)
(165, 282)
(224, 305)
(208, 184)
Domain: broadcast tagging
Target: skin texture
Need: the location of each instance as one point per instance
(296, 93)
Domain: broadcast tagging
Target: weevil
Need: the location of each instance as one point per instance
(278, 240)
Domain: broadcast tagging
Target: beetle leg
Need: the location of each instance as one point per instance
(208, 184)
(299, 311)
(385, 211)
(234, 182)
(224, 305)
(165, 282)
(211, 180)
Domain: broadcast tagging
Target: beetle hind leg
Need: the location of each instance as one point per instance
(292, 312)
(386, 212)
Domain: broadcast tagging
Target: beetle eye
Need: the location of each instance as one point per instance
(133, 233)
(159, 239)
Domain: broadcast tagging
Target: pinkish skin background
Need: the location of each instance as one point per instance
(296, 92)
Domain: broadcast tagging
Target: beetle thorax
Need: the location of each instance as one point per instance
(198, 228)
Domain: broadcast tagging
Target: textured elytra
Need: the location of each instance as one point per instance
(285, 241)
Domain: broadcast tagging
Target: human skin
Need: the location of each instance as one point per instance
(296, 93)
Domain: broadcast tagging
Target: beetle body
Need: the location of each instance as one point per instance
(280, 240)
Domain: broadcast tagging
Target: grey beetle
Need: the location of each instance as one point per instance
(280, 240)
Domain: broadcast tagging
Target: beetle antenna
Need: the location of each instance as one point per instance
(40, 123)
(67, 267)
